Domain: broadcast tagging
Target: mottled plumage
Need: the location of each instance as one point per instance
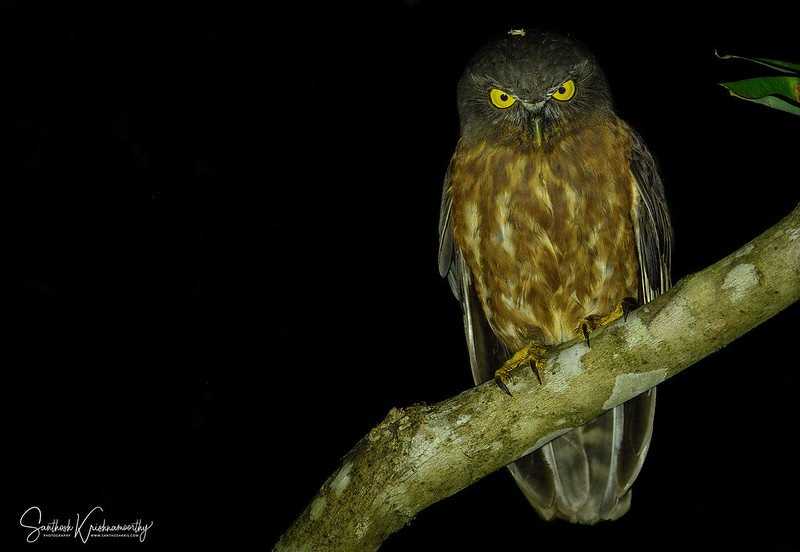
(552, 212)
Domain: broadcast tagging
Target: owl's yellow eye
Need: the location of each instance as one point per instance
(565, 91)
(501, 99)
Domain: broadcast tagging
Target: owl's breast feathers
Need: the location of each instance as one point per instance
(547, 233)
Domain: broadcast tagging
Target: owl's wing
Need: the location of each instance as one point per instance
(653, 234)
(651, 224)
(486, 352)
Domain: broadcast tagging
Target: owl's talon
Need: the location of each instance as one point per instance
(502, 384)
(530, 355)
(535, 369)
(628, 304)
(592, 322)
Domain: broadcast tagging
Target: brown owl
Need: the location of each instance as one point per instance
(553, 216)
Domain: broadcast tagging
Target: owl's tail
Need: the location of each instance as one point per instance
(585, 476)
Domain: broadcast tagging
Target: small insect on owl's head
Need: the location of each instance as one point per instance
(526, 84)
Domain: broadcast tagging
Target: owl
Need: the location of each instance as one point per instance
(553, 215)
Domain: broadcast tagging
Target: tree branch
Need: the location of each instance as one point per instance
(419, 455)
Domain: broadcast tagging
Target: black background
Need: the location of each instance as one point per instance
(223, 246)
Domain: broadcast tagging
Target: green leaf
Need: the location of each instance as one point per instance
(760, 87)
(778, 65)
(775, 103)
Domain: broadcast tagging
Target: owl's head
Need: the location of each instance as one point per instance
(525, 85)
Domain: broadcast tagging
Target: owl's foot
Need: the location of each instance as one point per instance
(530, 355)
(594, 321)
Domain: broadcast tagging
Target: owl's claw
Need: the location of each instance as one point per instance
(589, 324)
(592, 322)
(628, 304)
(499, 380)
(534, 366)
(530, 356)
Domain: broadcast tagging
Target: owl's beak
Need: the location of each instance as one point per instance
(537, 123)
(537, 130)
